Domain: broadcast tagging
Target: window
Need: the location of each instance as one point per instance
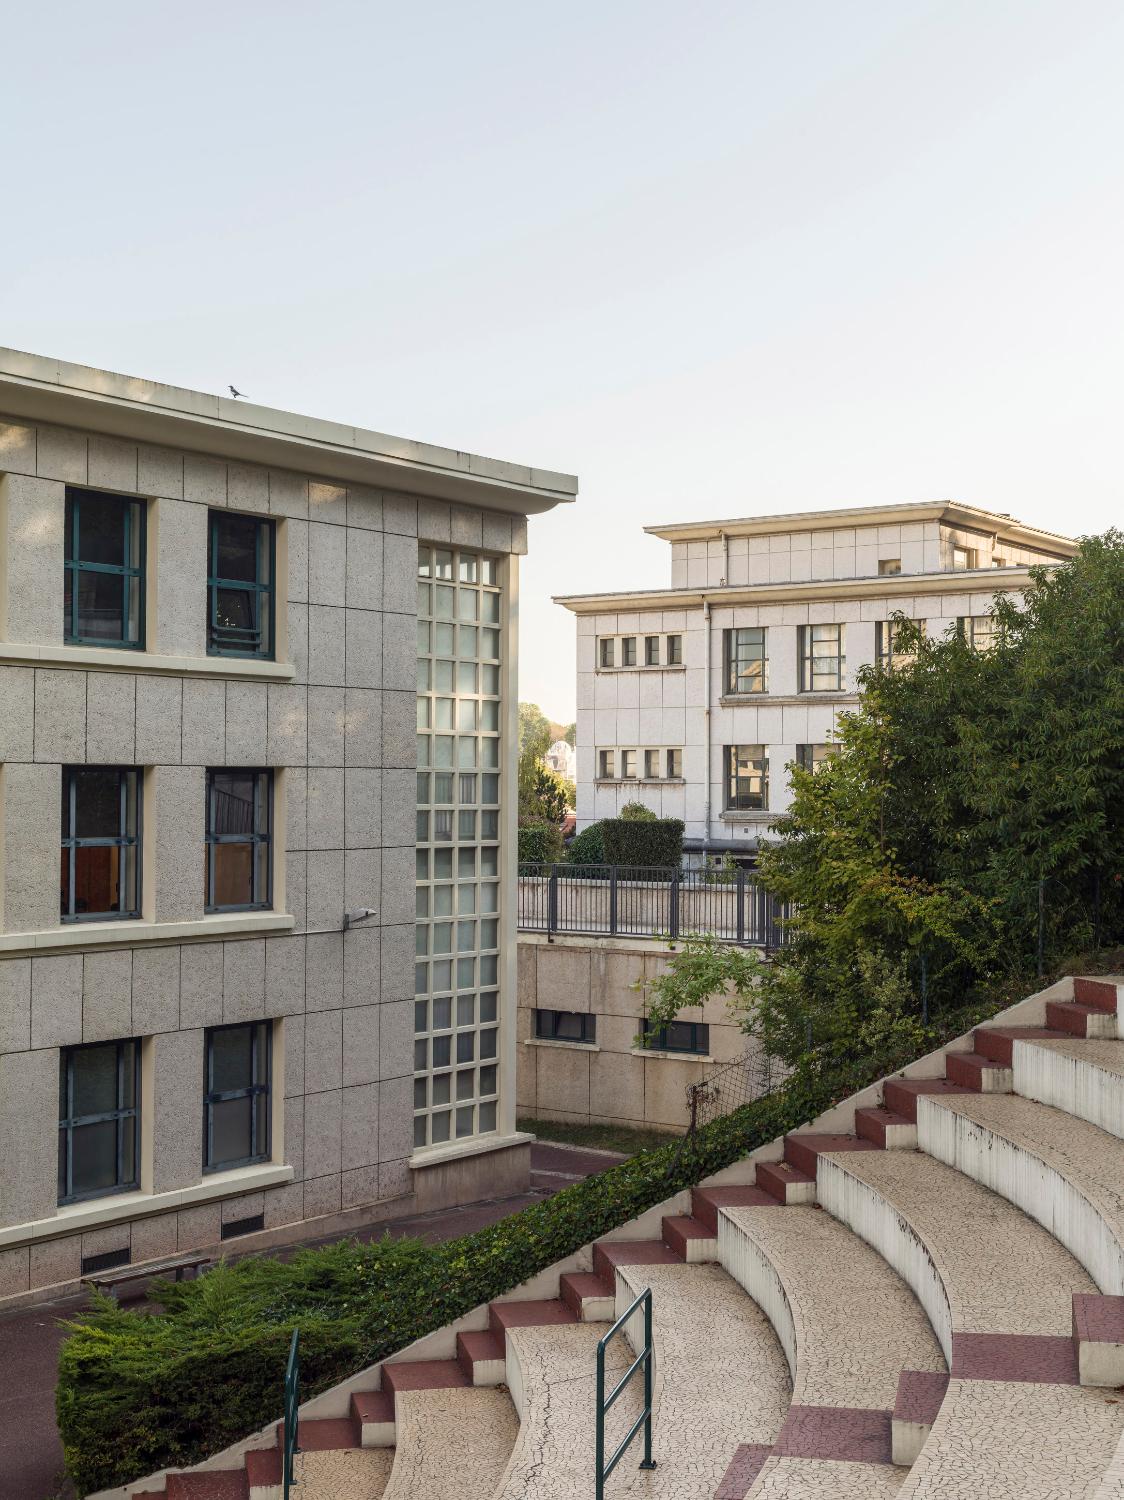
(240, 602)
(679, 1036)
(821, 658)
(651, 650)
(101, 843)
(628, 650)
(998, 562)
(675, 765)
(980, 632)
(963, 559)
(628, 765)
(606, 655)
(99, 1120)
(103, 590)
(239, 840)
(606, 765)
(675, 650)
(812, 757)
(566, 1026)
(236, 1104)
(651, 765)
(888, 566)
(460, 665)
(747, 665)
(890, 655)
(747, 778)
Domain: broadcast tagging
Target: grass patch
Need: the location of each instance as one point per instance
(622, 1138)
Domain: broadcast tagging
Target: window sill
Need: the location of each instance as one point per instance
(129, 934)
(77, 1217)
(473, 1145)
(757, 815)
(695, 1057)
(666, 667)
(15, 653)
(546, 1041)
(640, 781)
(751, 700)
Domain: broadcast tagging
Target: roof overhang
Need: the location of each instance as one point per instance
(892, 586)
(950, 512)
(48, 390)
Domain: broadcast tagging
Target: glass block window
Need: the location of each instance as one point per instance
(101, 843)
(103, 588)
(99, 1120)
(240, 593)
(239, 841)
(747, 665)
(821, 658)
(460, 752)
(236, 1104)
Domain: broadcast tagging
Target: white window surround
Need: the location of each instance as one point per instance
(640, 778)
(433, 1156)
(16, 653)
(129, 933)
(76, 1217)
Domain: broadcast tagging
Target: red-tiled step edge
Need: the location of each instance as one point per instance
(687, 1236)
(900, 1094)
(575, 1287)
(317, 1434)
(801, 1151)
(1098, 1338)
(998, 1042)
(885, 1129)
(211, 1484)
(608, 1254)
(479, 1348)
(850, 1435)
(746, 1464)
(1041, 1358)
(1101, 993)
(705, 1203)
(786, 1183)
(415, 1375)
(371, 1409)
(490, 1344)
(1079, 1020)
(977, 1071)
(916, 1404)
(263, 1468)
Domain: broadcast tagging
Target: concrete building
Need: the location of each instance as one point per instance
(257, 767)
(693, 699)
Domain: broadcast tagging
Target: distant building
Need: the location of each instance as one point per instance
(561, 757)
(693, 699)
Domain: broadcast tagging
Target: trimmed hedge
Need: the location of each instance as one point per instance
(540, 843)
(635, 841)
(587, 847)
(137, 1394)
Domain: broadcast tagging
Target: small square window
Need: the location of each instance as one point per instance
(606, 765)
(607, 651)
(651, 765)
(675, 650)
(888, 566)
(651, 650)
(566, 1026)
(963, 559)
(675, 765)
(628, 651)
(628, 765)
(679, 1036)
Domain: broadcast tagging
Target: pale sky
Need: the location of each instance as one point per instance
(715, 259)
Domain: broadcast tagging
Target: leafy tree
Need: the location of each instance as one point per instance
(570, 735)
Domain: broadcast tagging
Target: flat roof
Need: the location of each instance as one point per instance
(949, 511)
(50, 390)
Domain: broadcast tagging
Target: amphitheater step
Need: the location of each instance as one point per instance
(451, 1443)
(801, 1151)
(886, 1130)
(997, 1042)
(418, 1375)
(1098, 1334)
(263, 1472)
(691, 1240)
(916, 1404)
(482, 1357)
(374, 1412)
(1105, 991)
(505, 1315)
(723, 1378)
(901, 1094)
(589, 1297)
(318, 1435)
(1080, 1020)
(786, 1183)
(706, 1201)
(825, 1479)
(1084, 1078)
(976, 1071)
(210, 1484)
(609, 1254)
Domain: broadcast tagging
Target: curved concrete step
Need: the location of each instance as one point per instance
(821, 1479)
(1060, 1170)
(848, 1323)
(451, 1443)
(1001, 1440)
(997, 1288)
(721, 1377)
(1085, 1078)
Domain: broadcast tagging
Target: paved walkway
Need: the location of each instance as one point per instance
(30, 1450)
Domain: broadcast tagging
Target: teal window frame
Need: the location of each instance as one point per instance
(261, 833)
(265, 583)
(124, 1116)
(692, 1038)
(135, 515)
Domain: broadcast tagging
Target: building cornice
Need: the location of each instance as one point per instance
(891, 586)
(37, 389)
(951, 512)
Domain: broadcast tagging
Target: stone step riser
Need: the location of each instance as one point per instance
(1081, 1020)
(887, 1131)
(786, 1183)
(978, 1072)
(1071, 1084)
(1103, 994)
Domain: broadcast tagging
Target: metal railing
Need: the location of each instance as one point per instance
(289, 1447)
(628, 901)
(642, 1361)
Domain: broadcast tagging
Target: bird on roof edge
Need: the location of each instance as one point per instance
(235, 393)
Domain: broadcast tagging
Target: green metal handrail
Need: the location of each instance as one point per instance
(643, 1359)
(292, 1402)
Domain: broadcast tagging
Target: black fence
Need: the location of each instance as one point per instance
(623, 901)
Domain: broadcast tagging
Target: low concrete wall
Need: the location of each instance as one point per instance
(613, 1082)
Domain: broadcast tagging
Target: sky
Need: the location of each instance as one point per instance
(717, 260)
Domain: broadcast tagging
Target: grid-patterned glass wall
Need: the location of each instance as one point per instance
(456, 1008)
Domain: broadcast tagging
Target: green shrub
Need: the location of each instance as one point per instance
(539, 844)
(587, 847)
(636, 812)
(631, 841)
(140, 1394)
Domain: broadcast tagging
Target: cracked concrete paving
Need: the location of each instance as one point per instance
(343, 1473)
(452, 1443)
(825, 1479)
